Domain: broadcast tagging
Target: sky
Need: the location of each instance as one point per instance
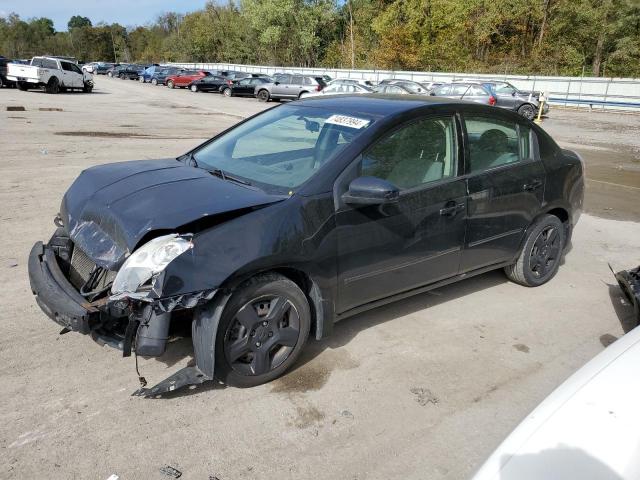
(124, 12)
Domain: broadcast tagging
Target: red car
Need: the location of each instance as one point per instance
(183, 79)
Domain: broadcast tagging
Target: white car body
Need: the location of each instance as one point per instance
(587, 429)
(338, 89)
(43, 69)
(89, 67)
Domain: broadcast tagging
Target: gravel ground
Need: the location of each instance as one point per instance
(422, 388)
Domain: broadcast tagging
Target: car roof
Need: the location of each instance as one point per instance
(376, 104)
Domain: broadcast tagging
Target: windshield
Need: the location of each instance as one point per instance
(282, 148)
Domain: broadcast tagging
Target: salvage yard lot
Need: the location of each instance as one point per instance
(423, 388)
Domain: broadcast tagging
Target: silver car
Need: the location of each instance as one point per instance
(289, 86)
(473, 92)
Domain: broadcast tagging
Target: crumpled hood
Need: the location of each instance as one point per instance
(109, 208)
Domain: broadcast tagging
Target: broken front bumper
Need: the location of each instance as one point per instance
(55, 295)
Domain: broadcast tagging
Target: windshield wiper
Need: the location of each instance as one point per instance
(218, 172)
(191, 161)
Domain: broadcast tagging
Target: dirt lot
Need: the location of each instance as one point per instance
(424, 388)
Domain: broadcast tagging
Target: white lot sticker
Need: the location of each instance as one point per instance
(347, 121)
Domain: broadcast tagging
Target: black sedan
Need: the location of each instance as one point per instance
(243, 88)
(210, 83)
(298, 217)
(131, 72)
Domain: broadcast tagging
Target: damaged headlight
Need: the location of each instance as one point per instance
(147, 261)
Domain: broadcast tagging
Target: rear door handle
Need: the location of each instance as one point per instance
(535, 184)
(451, 209)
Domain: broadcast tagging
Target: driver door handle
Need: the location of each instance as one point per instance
(451, 209)
(529, 187)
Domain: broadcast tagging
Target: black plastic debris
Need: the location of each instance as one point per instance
(629, 281)
(171, 472)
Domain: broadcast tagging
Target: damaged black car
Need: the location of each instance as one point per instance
(298, 217)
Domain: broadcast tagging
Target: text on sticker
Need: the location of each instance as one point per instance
(347, 121)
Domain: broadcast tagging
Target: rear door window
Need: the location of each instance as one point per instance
(296, 79)
(443, 90)
(459, 90)
(494, 142)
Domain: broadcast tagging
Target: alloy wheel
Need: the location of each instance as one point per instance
(545, 252)
(262, 335)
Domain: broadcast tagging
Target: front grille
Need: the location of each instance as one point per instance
(81, 268)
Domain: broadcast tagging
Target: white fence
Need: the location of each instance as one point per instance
(590, 92)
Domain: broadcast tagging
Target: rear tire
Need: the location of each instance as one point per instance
(263, 96)
(227, 92)
(194, 88)
(141, 79)
(22, 86)
(53, 86)
(540, 257)
(527, 111)
(154, 81)
(170, 84)
(262, 331)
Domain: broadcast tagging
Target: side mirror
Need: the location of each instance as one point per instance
(371, 191)
(276, 83)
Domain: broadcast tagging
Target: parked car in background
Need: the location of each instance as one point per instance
(392, 89)
(185, 78)
(89, 67)
(208, 83)
(352, 81)
(473, 92)
(300, 216)
(339, 89)
(113, 71)
(586, 428)
(507, 96)
(54, 74)
(245, 87)
(159, 76)
(102, 68)
(3, 73)
(289, 86)
(413, 87)
(131, 72)
(148, 73)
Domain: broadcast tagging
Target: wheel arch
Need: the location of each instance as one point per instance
(321, 307)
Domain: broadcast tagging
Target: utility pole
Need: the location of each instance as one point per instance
(353, 53)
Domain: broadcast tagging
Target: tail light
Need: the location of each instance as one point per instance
(318, 87)
(492, 100)
(229, 82)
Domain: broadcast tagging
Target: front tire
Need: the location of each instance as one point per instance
(227, 92)
(170, 84)
(87, 88)
(194, 88)
(154, 81)
(540, 257)
(262, 331)
(527, 111)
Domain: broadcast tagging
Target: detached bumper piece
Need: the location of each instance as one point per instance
(55, 295)
(629, 281)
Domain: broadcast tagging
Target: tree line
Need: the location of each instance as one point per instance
(548, 37)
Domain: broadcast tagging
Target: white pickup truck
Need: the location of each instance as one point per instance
(54, 74)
